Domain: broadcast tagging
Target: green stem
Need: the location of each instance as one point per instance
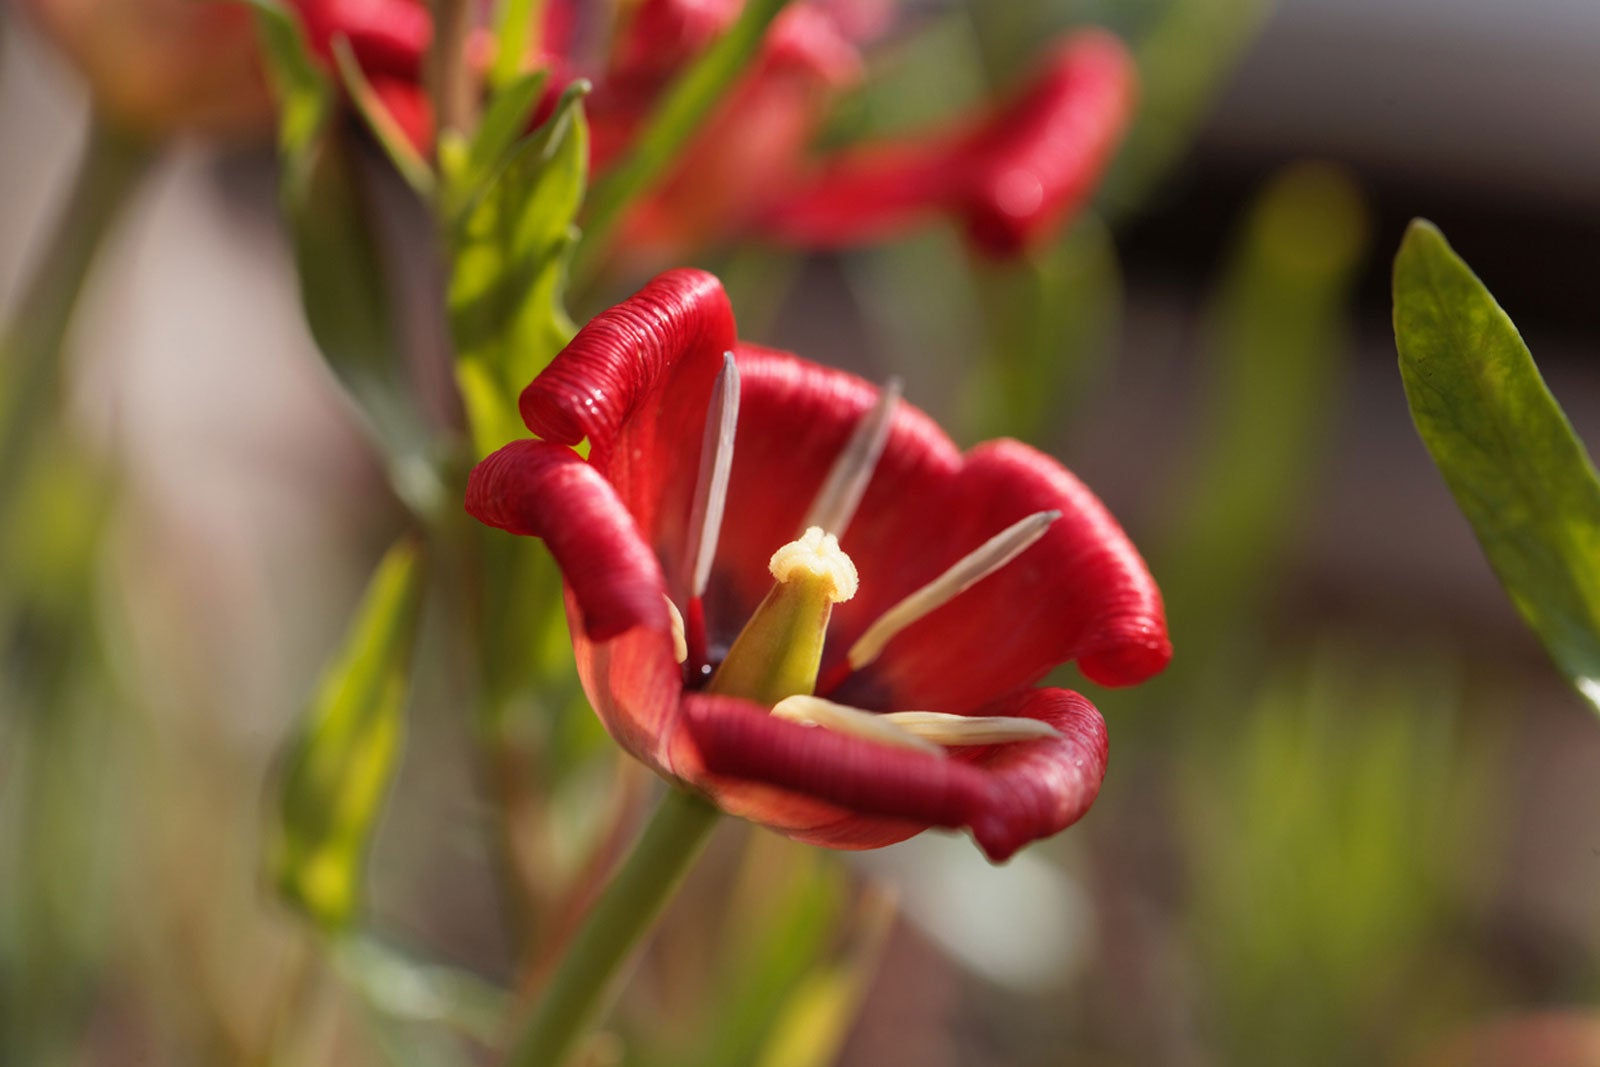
(30, 380)
(625, 912)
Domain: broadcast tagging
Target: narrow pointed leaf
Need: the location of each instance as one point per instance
(510, 246)
(337, 770)
(503, 121)
(1504, 446)
(514, 40)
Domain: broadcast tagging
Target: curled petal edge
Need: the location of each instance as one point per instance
(617, 361)
(548, 491)
(1007, 795)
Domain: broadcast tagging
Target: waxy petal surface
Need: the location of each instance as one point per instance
(840, 791)
(636, 383)
(545, 490)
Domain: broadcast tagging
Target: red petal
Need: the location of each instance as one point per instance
(545, 490)
(823, 779)
(635, 382)
(387, 36)
(1013, 176)
(1037, 163)
(1041, 787)
(1082, 591)
(840, 791)
(619, 366)
(755, 141)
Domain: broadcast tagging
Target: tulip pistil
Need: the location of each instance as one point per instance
(779, 651)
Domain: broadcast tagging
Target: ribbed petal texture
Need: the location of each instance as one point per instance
(636, 383)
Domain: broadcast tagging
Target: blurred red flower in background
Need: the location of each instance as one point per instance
(155, 66)
(629, 524)
(1011, 173)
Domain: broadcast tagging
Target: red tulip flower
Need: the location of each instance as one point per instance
(1012, 173)
(790, 592)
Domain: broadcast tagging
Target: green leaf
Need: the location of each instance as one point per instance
(345, 287)
(503, 120)
(1504, 446)
(679, 117)
(514, 39)
(338, 766)
(510, 246)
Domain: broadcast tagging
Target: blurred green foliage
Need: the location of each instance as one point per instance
(511, 237)
(1325, 833)
(337, 771)
(1505, 447)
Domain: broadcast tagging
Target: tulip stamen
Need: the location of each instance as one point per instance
(680, 643)
(711, 485)
(962, 575)
(869, 725)
(954, 730)
(836, 502)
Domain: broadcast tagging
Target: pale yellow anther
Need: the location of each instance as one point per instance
(841, 718)
(962, 575)
(816, 557)
(680, 643)
(945, 729)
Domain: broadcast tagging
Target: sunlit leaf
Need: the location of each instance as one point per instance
(515, 39)
(675, 120)
(345, 287)
(511, 245)
(338, 767)
(503, 121)
(1504, 446)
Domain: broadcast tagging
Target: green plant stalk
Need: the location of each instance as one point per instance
(625, 912)
(30, 382)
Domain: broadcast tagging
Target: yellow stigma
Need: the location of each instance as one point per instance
(778, 652)
(816, 558)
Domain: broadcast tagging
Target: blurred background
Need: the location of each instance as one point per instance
(1354, 823)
